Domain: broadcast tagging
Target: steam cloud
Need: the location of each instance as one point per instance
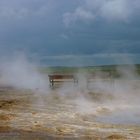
(108, 99)
(18, 72)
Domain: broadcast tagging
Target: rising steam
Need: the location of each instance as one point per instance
(114, 100)
(19, 72)
(109, 99)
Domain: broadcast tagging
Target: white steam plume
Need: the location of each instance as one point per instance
(18, 72)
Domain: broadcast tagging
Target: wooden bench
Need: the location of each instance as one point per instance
(99, 76)
(57, 78)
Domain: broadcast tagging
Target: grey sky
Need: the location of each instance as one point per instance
(70, 27)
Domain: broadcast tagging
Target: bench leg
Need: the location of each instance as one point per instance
(51, 83)
(75, 82)
(87, 83)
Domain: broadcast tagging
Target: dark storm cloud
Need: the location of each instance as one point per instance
(112, 10)
(52, 27)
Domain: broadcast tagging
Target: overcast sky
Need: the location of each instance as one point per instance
(70, 27)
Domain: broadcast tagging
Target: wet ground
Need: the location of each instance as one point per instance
(26, 115)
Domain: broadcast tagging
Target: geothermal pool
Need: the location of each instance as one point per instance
(68, 114)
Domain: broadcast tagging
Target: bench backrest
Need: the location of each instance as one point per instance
(61, 76)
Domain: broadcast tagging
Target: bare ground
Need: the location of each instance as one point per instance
(25, 115)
